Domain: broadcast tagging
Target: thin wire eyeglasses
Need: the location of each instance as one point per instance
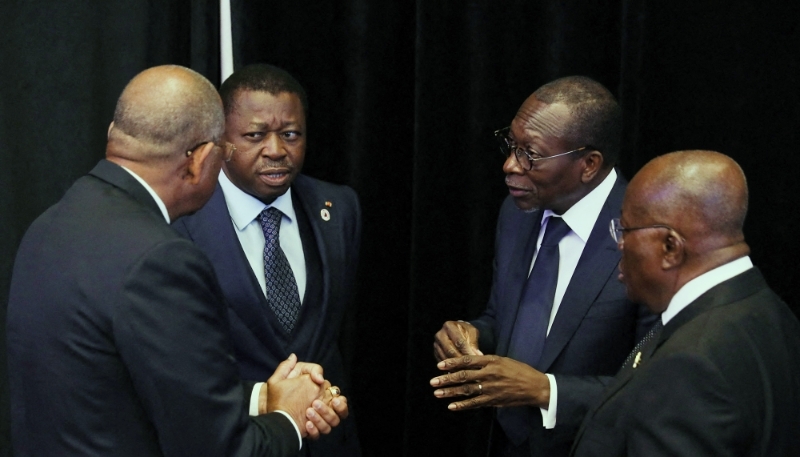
(616, 229)
(524, 158)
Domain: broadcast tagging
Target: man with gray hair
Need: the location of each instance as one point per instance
(117, 329)
(557, 322)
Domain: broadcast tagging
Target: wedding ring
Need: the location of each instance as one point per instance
(335, 391)
(480, 389)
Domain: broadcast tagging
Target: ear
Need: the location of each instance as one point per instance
(110, 127)
(199, 161)
(592, 163)
(674, 251)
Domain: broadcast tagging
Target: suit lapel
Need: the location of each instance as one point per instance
(730, 291)
(598, 262)
(327, 234)
(212, 228)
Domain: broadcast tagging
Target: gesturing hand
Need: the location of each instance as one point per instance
(455, 339)
(491, 381)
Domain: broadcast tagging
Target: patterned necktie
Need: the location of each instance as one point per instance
(638, 351)
(533, 318)
(281, 286)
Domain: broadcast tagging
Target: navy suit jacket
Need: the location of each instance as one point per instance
(594, 330)
(259, 342)
(723, 379)
(118, 337)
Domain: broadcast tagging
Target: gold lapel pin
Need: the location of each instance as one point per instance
(328, 204)
(637, 360)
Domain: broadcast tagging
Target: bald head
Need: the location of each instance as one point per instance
(701, 194)
(163, 112)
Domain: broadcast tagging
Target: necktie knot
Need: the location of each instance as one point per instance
(270, 219)
(556, 229)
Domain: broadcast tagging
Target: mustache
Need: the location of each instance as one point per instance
(273, 164)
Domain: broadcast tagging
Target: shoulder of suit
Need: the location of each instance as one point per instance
(306, 186)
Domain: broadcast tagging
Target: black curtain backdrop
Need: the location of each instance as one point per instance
(404, 97)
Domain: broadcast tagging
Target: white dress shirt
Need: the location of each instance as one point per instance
(701, 284)
(244, 210)
(581, 218)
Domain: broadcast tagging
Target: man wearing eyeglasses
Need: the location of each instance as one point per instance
(557, 323)
(284, 245)
(720, 373)
(117, 329)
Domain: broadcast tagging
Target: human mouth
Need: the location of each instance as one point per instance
(273, 177)
(516, 190)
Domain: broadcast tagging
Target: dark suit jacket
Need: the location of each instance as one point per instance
(723, 380)
(118, 337)
(595, 327)
(259, 342)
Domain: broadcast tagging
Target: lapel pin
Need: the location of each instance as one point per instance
(637, 360)
(328, 204)
(324, 214)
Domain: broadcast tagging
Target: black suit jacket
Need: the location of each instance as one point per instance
(723, 380)
(259, 341)
(594, 330)
(118, 337)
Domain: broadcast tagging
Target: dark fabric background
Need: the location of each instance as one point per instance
(404, 97)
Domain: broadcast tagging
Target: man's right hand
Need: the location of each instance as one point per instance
(456, 338)
(298, 389)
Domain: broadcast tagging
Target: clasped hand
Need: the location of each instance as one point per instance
(299, 389)
(488, 380)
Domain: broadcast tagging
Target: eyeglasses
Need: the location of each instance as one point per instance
(525, 159)
(227, 149)
(616, 229)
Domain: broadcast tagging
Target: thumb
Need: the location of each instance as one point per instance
(284, 369)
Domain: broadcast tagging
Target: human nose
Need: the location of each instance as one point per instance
(272, 147)
(512, 166)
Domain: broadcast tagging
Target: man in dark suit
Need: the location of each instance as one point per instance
(557, 320)
(318, 236)
(722, 377)
(117, 330)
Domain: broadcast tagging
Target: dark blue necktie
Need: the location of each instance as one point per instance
(533, 317)
(281, 286)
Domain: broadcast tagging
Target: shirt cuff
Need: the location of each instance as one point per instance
(254, 410)
(549, 414)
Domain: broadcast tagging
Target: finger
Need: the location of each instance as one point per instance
(456, 377)
(438, 352)
(446, 343)
(322, 416)
(458, 335)
(311, 430)
(312, 369)
(339, 404)
(470, 342)
(472, 362)
(284, 368)
(463, 390)
(480, 401)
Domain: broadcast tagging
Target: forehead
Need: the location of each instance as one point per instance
(536, 119)
(285, 107)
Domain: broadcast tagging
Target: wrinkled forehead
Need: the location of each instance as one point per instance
(538, 119)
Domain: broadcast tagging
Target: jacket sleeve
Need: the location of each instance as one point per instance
(171, 331)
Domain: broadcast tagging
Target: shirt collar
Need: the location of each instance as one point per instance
(244, 208)
(152, 193)
(582, 216)
(701, 284)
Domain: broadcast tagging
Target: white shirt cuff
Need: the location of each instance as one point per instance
(254, 410)
(549, 414)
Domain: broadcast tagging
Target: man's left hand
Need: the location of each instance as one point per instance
(491, 380)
